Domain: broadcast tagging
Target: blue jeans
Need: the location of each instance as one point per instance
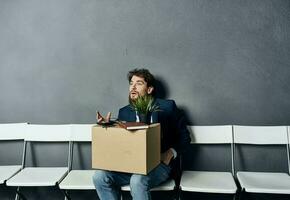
(108, 183)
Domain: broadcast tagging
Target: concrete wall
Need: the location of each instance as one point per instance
(223, 61)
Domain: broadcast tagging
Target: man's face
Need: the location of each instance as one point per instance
(138, 87)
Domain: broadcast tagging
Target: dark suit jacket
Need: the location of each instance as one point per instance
(174, 133)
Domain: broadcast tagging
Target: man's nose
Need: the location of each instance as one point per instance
(133, 86)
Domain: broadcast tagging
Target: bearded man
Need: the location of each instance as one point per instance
(174, 140)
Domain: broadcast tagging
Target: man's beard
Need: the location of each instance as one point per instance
(131, 101)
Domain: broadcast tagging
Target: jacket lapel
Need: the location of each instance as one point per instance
(155, 114)
(131, 115)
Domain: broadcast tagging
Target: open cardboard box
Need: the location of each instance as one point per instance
(117, 149)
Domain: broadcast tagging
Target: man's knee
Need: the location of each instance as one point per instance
(102, 177)
(139, 182)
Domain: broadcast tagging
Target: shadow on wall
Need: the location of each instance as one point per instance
(161, 88)
(162, 91)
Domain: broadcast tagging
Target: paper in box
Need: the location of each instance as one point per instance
(117, 149)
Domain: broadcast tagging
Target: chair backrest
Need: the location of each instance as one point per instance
(48, 133)
(211, 134)
(288, 131)
(12, 131)
(219, 134)
(260, 135)
(81, 132)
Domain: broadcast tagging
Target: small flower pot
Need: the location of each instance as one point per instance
(145, 118)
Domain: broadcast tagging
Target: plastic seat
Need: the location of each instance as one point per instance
(78, 180)
(7, 171)
(208, 182)
(38, 176)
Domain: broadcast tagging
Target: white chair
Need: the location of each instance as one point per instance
(10, 132)
(78, 179)
(210, 181)
(41, 176)
(263, 182)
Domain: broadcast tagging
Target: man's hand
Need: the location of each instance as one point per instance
(100, 118)
(167, 156)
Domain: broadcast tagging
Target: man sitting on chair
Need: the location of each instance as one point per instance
(174, 140)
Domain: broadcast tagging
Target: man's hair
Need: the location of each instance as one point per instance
(144, 73)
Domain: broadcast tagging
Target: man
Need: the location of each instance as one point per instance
(174, 139)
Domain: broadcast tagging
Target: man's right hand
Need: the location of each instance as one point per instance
(101, 119)
(167, 156)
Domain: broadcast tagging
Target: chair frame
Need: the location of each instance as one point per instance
(13, 134)
(211, 138)
(30, 138)
(78, 134)
(262, 142)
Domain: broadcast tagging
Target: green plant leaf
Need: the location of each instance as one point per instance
(144, 105)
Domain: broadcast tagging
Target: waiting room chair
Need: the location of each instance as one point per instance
(78, 179)
(41, 176)
(10, 132)
(210, 181)
(263, 182)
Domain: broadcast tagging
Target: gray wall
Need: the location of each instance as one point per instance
(223, 61)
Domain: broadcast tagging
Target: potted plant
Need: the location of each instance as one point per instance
(144, 107)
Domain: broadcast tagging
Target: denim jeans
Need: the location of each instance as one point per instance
(108, 183)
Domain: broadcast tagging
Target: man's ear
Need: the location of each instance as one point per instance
(150, 90)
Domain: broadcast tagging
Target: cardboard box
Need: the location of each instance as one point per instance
(118, 149)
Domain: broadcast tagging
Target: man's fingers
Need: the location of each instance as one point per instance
(99, 116)
(100, 120)
(108, 117)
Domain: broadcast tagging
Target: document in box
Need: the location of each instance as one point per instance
(133, 125)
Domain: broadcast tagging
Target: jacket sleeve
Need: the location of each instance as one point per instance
(123, 115)
(120, 115)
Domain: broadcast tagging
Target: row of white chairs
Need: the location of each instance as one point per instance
(248, 182)
(191, 181)
(64, 177)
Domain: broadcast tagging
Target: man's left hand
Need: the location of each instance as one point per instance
(167, 156)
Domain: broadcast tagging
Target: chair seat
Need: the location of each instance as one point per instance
(7, 171)
(264, 182)
(209, 182)
(166, 186)
(78, 180)
(38, 176)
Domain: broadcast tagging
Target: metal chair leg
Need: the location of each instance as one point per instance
(19, 194)
(66, 195)
(241, 194)
(16, 197)
(234, 197)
